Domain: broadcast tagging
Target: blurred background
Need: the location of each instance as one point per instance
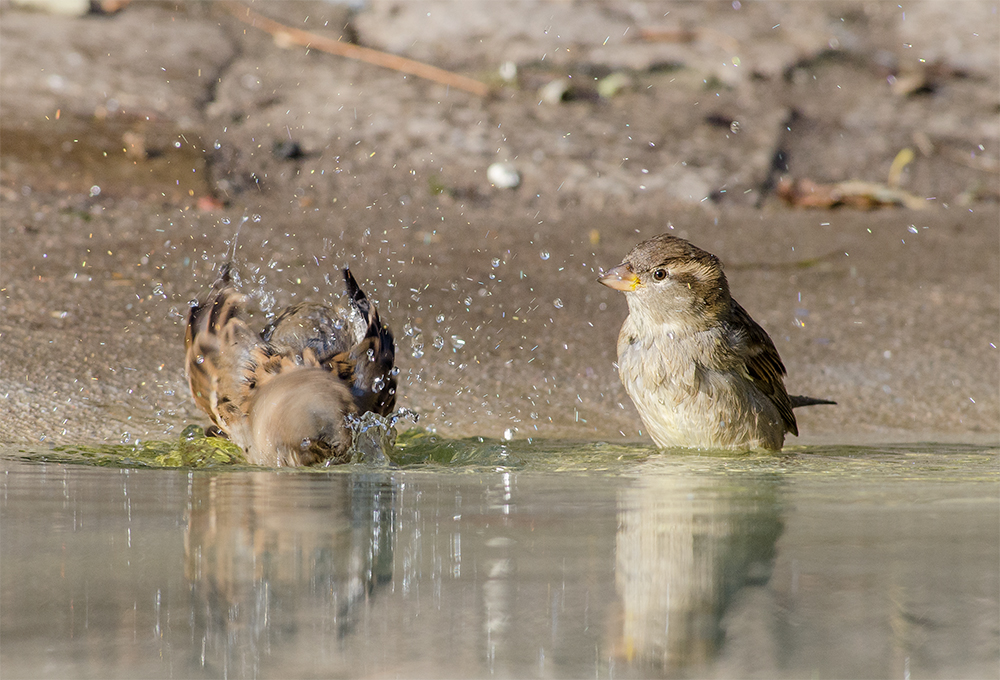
(840, 157)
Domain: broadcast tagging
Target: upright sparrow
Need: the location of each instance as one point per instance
(283, 394)
(701, 372)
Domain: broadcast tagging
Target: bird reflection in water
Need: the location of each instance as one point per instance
(682, 552)
(255, 552)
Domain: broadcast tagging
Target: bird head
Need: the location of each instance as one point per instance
(667, 280)
(299, 418)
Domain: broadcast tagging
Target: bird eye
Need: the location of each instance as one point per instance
(660, 274)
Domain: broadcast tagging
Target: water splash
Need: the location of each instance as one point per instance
(374, 436)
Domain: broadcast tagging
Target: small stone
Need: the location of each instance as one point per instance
(555, 92)
(611, 85)
(287, 150)
(508, 71)
(503, 175)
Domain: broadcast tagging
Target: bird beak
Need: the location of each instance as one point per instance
(620, 278)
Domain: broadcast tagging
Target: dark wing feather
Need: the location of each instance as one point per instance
(371, 381)
(357, 296)
(764, 366)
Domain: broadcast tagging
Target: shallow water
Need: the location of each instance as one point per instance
(477, 558)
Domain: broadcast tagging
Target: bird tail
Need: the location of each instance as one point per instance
(798, 401)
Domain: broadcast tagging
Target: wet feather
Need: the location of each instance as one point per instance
(283, 394)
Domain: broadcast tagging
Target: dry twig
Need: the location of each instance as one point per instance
(294, 36)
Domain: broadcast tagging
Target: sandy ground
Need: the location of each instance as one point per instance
(133, 145)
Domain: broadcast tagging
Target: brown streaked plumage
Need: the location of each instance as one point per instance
(283, 394)
(701, 372)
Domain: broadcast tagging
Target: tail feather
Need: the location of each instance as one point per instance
(798, 401)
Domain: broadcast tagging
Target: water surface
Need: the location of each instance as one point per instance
(475, 558)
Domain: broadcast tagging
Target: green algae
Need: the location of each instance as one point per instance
(419, 449)
(191, 449)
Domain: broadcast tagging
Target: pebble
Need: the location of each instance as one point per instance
(503, 175)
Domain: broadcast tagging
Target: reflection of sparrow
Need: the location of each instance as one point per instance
(700, 371)
(283, 395)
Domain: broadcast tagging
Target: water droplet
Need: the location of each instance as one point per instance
(199, 359)
(508, 434)
(126, 437)
(734, 127)
(558, 303)
(457, 342)
(267, 302)
(417, 346)
(256, 218)
(496, 262)
(438, 342)
(177, 145)
(544, 255)
(440, 318)
(225, 220)
(217, 144)
(95, 191)
(912, 229)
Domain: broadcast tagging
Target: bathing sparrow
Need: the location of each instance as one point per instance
(283, 394)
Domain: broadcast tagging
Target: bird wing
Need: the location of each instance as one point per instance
(225, 361)
(764, 367)
(352, 343)
(368, 365)
(357, 296)
(326, 330)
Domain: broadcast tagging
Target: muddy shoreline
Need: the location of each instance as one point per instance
(491, 293)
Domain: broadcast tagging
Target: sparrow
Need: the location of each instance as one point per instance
(700, 371)
(283, 395)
